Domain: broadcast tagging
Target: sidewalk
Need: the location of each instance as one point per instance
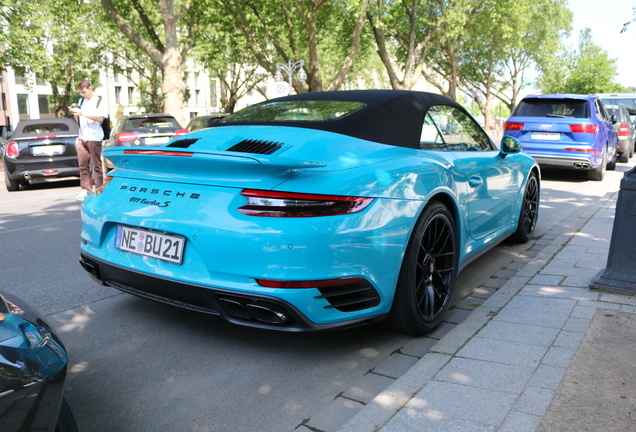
(542, 353)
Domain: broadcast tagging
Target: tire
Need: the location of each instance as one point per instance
(529, 211)
(12, 185)
(624, 157)
(427, 277)
(612, 165)
(598, 174)
(66, 420)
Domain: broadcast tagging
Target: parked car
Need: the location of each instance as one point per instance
(627, 99)
(566, 131)
(312, 211)
(625, 129)
(143, 130)
(204, 121)
(41, 149)
(33, 364)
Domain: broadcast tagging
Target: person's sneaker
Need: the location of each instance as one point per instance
(81, 196)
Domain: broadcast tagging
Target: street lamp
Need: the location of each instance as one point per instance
(289, 69)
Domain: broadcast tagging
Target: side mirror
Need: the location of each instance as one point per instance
(509, 145)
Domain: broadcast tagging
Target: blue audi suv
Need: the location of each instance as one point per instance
(566, 131)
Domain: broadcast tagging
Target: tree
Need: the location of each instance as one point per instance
(290, 30)
(55, 41)
(165, 31)
(588, 71)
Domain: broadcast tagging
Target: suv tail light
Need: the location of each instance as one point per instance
(181, 132)
(124, 137)
(12, 149)
(584, 128)
(513, 126)
(624, 130)
(287, 204)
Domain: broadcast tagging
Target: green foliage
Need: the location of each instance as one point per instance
(586, 71)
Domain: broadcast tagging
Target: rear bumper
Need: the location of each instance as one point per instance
(623, 145)
(246, 309)
(565, 162)
(27, 170)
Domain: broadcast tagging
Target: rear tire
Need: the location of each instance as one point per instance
(624, 157)
(529, 211)
(12, 185)
(427, 277)
(612, 165)
(66, 420)
(598, 174)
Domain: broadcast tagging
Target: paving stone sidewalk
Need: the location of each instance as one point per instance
(498, 369)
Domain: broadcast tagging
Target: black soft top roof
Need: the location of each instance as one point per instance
(47, 126)
(393, 117)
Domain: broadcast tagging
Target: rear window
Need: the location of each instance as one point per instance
(295, 111)
(564, 108)
(153, 122)
(630, 103)
(45, 129)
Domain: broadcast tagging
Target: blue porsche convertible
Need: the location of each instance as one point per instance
(312, 211)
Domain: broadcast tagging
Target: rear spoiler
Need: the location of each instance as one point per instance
(175, 164)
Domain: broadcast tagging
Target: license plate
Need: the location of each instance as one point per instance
(546, 136)
(151, 244)
(48, 150)
(157, 140)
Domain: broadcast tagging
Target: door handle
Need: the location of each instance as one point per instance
(475, 181)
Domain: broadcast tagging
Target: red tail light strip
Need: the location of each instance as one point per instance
(624, 130)
(158, 153)
(308, 284)
(288, 204)
(581, 150)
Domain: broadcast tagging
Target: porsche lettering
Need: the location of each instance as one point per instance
(166, 192)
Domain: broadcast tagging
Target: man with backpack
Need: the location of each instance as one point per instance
(90, 114)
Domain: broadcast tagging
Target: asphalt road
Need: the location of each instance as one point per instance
(141, 366)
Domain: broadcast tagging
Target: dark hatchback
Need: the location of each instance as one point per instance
(41, 149)
(143, 130)
(33, 364)
(204, 121)
(625, 129)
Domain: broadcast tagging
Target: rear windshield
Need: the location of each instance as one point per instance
(565, 108)
(295, 111)
(630, 103)
(45, 128)
(154, 122)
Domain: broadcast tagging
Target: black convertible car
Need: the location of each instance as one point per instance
(40, 149)
(33, 366)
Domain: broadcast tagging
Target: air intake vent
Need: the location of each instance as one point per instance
(350, 297)
(256, 147)
(183, 143)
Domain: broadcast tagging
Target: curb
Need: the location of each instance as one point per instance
(389, 402)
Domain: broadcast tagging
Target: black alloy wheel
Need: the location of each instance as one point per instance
(427, 277)
(529, 211)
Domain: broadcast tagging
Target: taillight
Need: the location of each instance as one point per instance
(584, 128)
(309, 283)
(624, 130)
(287, 204)
(158, 153)
(513, 126)
(12, 149)
(181, 132)
(580, 150)
(124, 137)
